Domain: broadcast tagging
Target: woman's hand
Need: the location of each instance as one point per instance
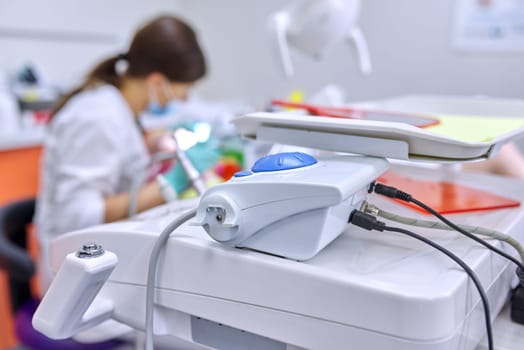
(159, 140)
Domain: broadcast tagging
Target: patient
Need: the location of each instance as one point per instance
(509, 162)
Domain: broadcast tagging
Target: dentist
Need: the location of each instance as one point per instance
(95, 144)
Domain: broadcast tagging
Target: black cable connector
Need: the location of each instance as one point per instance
(517, 305)
(365, 221)
(391, 192)
(520, 275)
(517, 299)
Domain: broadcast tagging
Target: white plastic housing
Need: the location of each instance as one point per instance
(67, 307)
(371, 290)
(291, 213)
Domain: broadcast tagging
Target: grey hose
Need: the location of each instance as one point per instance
(371, 209)
(152, 271)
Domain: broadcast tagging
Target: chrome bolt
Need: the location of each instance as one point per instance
(90, 250)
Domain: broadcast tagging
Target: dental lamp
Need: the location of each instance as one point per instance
(314, 26)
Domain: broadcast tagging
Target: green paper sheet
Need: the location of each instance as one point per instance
(475, 129)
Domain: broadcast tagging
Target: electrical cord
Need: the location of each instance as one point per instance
(375, 211)
(393, 192)
(152, 272)
(369, 222)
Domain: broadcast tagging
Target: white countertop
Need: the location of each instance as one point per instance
(382, 271)
(21, 139)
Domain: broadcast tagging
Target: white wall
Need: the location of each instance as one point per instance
(65, 38)
(410, 44)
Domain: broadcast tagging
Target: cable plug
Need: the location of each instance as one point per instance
(369, 208)
(365, 221)
(520, 275)
(517, 299)
(517, 305)
(391, 192)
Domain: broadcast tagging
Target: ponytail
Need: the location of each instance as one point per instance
(104, 73)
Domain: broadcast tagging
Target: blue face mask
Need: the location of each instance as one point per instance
(157, 110)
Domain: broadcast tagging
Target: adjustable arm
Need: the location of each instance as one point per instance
(69, 306)
(362, 49)
(280, 23)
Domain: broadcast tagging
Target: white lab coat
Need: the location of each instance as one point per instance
(94, 149)
(9, 113)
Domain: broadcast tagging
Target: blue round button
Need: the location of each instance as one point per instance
(283, 161)
(242, 173)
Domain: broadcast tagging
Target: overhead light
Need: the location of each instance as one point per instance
(314, 26)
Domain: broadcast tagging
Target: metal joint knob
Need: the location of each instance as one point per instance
(90, 250)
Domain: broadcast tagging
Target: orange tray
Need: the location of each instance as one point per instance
(446, 197)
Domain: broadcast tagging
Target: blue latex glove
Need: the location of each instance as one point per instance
(202, 155)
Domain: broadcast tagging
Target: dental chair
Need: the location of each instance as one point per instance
(20, 267)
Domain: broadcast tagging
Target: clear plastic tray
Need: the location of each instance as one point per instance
(389, 139)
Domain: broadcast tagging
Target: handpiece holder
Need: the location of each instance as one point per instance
(69, 306)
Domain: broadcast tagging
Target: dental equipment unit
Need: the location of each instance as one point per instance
(269, 261)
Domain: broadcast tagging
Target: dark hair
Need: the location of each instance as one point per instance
(166, 45)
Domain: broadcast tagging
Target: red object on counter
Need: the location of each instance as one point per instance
(421, 121)
(446, 197)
